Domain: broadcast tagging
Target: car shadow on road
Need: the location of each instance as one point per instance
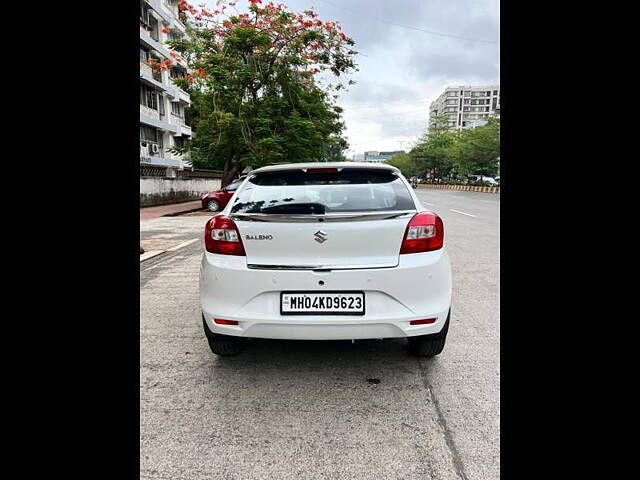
(363, 361)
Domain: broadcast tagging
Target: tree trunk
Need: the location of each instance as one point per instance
(230, 170)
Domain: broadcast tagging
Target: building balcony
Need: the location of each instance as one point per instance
(161, 10)
(185, 130)
(152, 117)
(182, 127)
(179, 94)
(151, 153)
(157, 46)
(183, 96)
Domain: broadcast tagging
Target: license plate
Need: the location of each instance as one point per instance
(322, 303)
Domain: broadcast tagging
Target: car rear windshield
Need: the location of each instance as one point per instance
(319, 191)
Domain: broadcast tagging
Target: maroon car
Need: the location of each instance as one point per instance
(216, 201)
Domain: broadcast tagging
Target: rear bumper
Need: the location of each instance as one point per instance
(419, 287)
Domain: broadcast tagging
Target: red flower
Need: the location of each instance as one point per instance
(254, 2)
(166, 30)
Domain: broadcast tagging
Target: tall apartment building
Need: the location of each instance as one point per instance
(466, 106)
(162, 104)
(374, 156)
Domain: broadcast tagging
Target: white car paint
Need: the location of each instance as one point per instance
(361, 255)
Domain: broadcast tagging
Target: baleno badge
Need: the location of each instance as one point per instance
(321, 236)
(259, 237)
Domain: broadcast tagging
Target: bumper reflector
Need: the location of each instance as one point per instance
(421, 322)
(226, 322)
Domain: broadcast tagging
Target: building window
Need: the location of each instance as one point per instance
(150, 142)
(148, 97)
(161, 103)
(144, 54)
(494, 102)
(144, 14)
(176, 109)
(495, 92)
(148, 133)
(467, 93)
(177, 72)
(153, 27)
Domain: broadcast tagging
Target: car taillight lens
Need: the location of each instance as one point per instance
(424, 233)
(221, 236)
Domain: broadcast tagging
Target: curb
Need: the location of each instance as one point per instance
(176, 214)
(156, 253)
(463, 188)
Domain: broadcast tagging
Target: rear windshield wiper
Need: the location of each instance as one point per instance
(296, 208)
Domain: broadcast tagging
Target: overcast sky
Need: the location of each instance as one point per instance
(402, 68)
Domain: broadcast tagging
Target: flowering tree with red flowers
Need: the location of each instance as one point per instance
(260, 81)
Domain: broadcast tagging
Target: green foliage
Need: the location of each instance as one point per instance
(477, 149)
(405, 163)
(443, 153)
(254, 97)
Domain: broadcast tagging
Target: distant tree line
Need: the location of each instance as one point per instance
(443, 155)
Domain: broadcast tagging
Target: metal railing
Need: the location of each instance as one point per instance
(155, 171)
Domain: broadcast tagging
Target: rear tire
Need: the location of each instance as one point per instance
(429, 345)
(213, 206)
(223, 345)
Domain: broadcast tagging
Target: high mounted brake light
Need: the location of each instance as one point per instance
(321, 170)
(424, 233)
(221, 236)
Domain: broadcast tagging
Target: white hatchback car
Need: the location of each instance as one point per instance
(325, 251)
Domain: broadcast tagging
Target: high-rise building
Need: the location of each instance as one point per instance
(466, 106)
(379, 157)
(162, 104)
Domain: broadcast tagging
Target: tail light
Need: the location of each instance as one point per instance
(424, 233)
(221, 236)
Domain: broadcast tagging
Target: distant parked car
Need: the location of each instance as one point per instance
(479, 178)
(216, 201)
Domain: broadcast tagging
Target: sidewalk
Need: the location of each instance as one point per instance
(147, 213)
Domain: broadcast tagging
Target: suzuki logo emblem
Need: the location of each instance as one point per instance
(321, 236)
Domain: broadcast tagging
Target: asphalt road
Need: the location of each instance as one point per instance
(326, 409)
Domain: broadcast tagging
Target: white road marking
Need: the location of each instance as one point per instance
(173, 249)
(150, 254)
(430, 204)
(155, 253)
(467, 214)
